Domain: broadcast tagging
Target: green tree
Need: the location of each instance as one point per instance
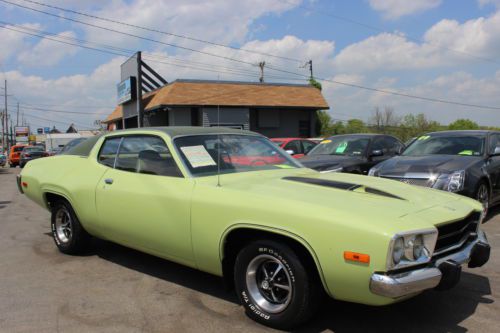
(355, 126)
(463, 124)
(315, 83)
(416, 125)
(324, 123)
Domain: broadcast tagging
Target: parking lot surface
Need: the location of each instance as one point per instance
(115, 289)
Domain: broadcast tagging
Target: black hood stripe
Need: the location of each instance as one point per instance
(341, 186)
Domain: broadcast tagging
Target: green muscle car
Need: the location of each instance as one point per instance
(231, 203)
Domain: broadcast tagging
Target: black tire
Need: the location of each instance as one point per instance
(290, 311)
(482, 190)
(63, 218)
(21, 165)
(12, 165)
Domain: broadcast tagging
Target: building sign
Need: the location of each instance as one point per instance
(126, 90)
(22, 131)
(46, 130)
(39, 130)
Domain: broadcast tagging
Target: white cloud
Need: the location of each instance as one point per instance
(458, 86)
(394, 9)
(46, 52)
(218, 20)
(483, 3)
(447, 43)
(13, 41)
(95, 89)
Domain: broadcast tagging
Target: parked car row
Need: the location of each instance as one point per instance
(232, 203)
(463, 162)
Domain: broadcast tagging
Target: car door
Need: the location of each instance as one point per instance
(493, 166)
(143, 201)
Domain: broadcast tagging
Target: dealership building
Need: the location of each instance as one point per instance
(272, 109)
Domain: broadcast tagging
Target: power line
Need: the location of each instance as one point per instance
(401, 94)
(23, 107)
(163, 32)
(131, 35)
(41, 35)
(373, 28)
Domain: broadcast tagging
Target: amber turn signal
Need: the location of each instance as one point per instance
(355, 256)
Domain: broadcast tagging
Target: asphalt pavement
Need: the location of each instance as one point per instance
(115, 289)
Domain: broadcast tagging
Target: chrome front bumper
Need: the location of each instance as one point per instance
(437, 274)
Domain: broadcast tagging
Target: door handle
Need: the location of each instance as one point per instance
(108, 181)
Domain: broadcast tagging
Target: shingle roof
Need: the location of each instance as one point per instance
(230, 93)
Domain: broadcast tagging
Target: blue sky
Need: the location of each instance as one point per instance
(440, 49)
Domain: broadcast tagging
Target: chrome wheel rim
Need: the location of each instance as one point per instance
(483, 196)
(269, 283)
(64, 227)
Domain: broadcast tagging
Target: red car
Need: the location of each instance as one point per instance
(297, 147)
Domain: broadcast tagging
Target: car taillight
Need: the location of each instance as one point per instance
(27, 155)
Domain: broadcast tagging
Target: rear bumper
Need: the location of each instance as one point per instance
(442, 273)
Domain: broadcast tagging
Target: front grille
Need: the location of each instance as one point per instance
(453, 235)
(426, 182)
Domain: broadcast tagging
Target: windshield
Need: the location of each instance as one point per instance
(341, 145)
(237, 153)
(446, 145)
(72, 143)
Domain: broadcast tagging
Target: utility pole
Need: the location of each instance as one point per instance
(310, 65)
(5, 125)
(17, 117)
(261, 65)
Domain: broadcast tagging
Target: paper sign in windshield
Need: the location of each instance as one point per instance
(341, 147)
(198, 156)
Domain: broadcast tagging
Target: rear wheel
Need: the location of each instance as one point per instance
(68, 233)
(274, 286)
(483, 196)
(12, 165)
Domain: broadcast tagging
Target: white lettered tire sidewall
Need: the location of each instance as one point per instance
(299, 308)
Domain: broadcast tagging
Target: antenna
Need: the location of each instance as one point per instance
(218, 139)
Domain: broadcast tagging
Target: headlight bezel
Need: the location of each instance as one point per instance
(446, 181)
(429, 237)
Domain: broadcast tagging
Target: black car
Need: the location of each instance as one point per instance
(354, 153)
(30, 153)
(464, 162)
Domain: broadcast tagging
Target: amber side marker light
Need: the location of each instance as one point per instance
(358, 257)
(25, 184)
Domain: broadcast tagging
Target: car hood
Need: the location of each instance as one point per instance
(348, 197)
(430, 164)
(325, 162)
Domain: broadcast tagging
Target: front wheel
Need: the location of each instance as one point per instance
(274, 286)
(483, 196)
(68, 233)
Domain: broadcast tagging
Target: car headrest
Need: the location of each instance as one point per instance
(149, 155)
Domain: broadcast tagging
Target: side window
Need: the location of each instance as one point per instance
(295, 146)
(108, 152)
(146, 154)
(308, 145)
(495, 144)
(392, 145)
(378, 144)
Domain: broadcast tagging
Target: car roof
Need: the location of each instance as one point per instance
(361, 135)
(287, 139)
(462, 132)
(174, 131)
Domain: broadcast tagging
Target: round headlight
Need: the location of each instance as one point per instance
(398, 250)
(418, 246)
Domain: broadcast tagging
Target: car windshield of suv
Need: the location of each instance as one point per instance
(32, 149)
(236, 153)
(466, 145)
(341, 145)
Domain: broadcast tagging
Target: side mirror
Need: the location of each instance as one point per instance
(291, 152)
(376, 153)
(496, 152)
